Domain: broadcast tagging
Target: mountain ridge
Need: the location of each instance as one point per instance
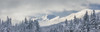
(69, 17)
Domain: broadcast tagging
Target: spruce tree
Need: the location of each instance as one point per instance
(0, 21)
(37, 26)
(30, 25)
(8, 21)
(93, 20)
(66, 22)
(86, 21)
(76, 20)
(26, 21)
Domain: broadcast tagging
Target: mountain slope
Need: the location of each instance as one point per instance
(56, 20)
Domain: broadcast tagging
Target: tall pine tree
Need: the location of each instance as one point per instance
(66, 22)
(26, 21)
(37, 26)
(93, 20)
(86, 21)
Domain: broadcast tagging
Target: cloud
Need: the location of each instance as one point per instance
(94, 1)
(63, 13)
(94, 6)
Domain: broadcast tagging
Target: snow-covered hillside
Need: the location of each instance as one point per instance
(69, 17)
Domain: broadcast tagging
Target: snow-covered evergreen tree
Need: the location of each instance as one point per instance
(37, 26)
(66, 22)
(71, 26)
(76, 20)
(93, 20)
(26, 21)
(0, 21)
(8, 21)
(86, 22)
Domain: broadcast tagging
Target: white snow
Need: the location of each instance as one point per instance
(69, 17)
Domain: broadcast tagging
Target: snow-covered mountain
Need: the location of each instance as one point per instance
(57, 19)
(48, 17)
(43, 18)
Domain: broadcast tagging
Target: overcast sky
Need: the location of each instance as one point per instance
(20, 9)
